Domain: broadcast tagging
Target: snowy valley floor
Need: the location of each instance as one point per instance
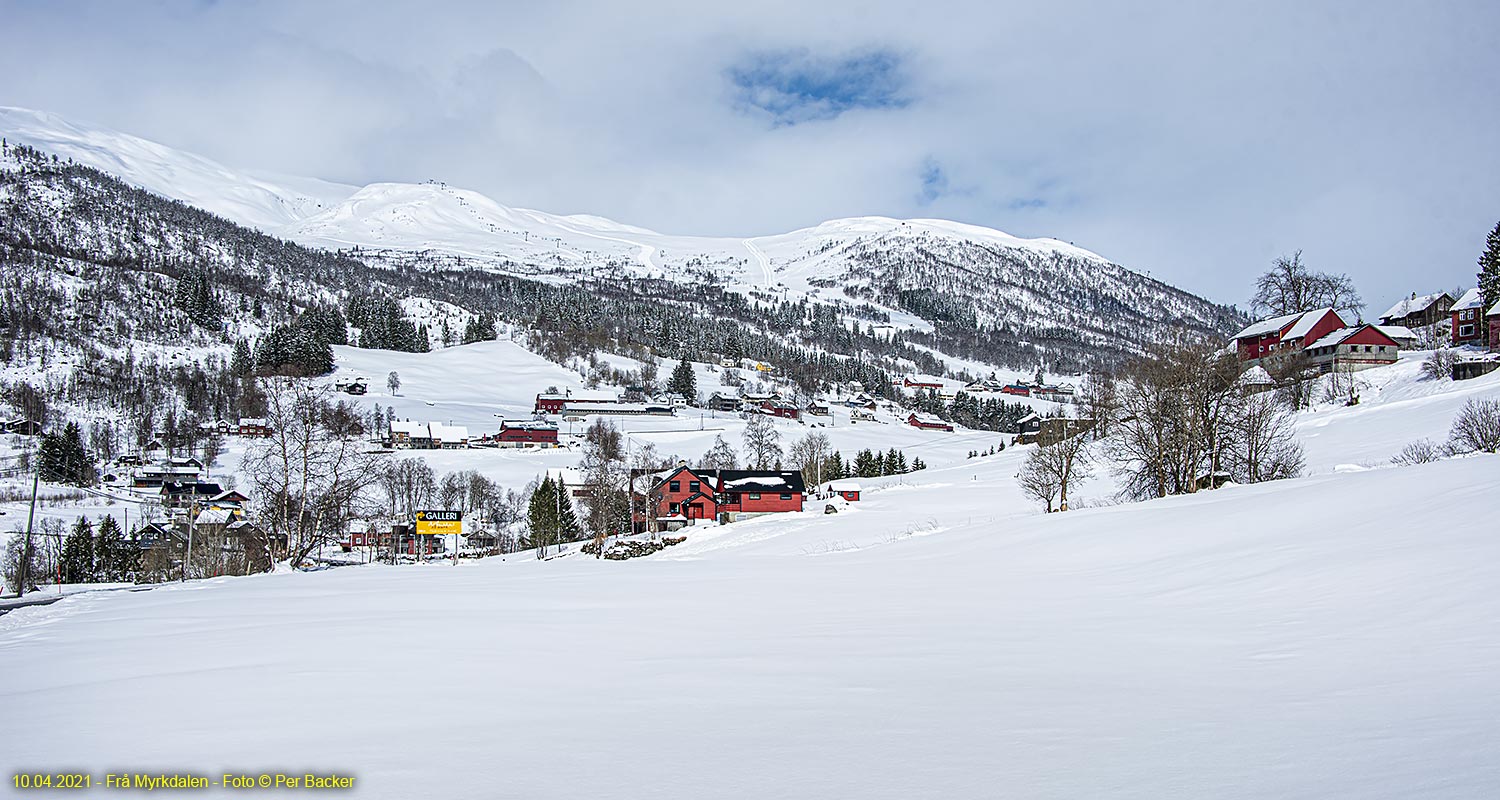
(1334, 636)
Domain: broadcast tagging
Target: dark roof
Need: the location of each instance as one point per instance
(760, 480)
(195, 488)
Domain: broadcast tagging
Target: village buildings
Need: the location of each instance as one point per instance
(1467, 317)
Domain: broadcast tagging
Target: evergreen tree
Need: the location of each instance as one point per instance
(896, 462)
(917, 464)
(77, 560)
(116, 557)
(241, 362)
(683, 381)
(63, 458)
(866, 465)
(1489, 270)
(195, 297)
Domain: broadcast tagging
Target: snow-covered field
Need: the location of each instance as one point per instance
(1334, 636)
(1325, 637)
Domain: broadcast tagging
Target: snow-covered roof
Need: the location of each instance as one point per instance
(448, 433)
(214, 516)
(408, 427)
(1412, 305)
(1029, 417)
(1300, 324)
(252, 422)
(843, 486)
(1266, 326)
(927, 419)
(1256, 376)
(763, 480)
(1340, 335)
(1471, 299)
(527, 425)
(1301, 327)
(1397, 332)
(1494, 311)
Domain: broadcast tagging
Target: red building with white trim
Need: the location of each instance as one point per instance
(526, 433)
(927, 422)
(1285, 335)
(683, 495)
(1468, 319)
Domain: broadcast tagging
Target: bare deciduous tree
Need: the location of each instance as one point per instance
(1476, 428)
(1289, 287)
(1051, 469)
(307, 480)
(762, 442)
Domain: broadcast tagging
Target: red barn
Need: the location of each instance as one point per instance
(1285, 335)
(1017, 389)
(927, 422)
(1467, 313)
(548, 403)
(1353, 349)
(526, 433)
(911, 384)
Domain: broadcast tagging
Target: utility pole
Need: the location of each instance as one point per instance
(36, 478)
(192, 522)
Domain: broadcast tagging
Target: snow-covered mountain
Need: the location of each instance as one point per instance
(1044, 292)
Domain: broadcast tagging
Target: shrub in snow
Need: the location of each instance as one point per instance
(1422, 451)
(1439, 365)
(1476, 428)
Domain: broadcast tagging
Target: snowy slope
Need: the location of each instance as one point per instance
(1049, 296)
(263, 201)
(1307, 639)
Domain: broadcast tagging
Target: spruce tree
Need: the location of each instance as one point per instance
(683, 381)
(115, 556)
(77, 561)
(1489, 270)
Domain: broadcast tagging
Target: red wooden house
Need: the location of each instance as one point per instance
(781, 408)
(911, 384)
(526, 433)
(927, 422)
(1285, 335)
(1020, 389)
(1493, 321)
(1468, 322)
(553, 403)
(849, 490)
(1352, 349)
(683, 495)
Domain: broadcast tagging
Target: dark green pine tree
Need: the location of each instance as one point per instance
(541, 514)
(241, 361)
(683, 381)
(917, 464)
(62, 458)
(1489, 269)
(116, 557)
(896, 462)
(77, 560)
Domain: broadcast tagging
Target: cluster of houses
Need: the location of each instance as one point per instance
(1463, 321)
(1057, 393)
(251, 427)
(1322, 340)
(194, 506)
(518, 433)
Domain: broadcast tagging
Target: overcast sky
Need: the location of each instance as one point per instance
(1186, 140)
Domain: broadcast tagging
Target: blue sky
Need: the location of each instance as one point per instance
(1194, 141)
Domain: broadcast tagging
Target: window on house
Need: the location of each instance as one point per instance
(692, 486)
(786, 495)
(755, 495)
(673, 509)
(675, 486)
(1465, 331)
(1367, 348)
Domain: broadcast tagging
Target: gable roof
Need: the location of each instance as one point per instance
(1471, 299)
(1343, 334)
(1412, 305)
(1295, 325)
(760, 480)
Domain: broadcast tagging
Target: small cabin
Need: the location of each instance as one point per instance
(849, 490)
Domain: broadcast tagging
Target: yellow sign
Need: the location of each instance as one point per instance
(439, 523)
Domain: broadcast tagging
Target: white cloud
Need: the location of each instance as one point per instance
(1192, 141)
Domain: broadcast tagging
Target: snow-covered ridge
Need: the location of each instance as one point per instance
(427, 216)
